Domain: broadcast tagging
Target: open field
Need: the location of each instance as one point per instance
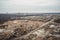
(30, 27)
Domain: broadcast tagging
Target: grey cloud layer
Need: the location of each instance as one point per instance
(5, 6)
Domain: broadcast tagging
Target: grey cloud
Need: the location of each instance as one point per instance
(6, 7)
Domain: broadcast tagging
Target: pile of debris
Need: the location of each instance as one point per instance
(25, 31)
(5, 34)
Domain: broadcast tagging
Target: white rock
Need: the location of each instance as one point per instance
(2, 30)
(15, 22)
(52, 26)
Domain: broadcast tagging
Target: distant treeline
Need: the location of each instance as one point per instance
(6, 17)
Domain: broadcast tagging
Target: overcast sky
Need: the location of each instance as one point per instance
(40, 6)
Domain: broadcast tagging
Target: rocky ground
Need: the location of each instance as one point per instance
(18, 28)
(30, 30)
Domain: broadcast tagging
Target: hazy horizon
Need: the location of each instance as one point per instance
(29, 6)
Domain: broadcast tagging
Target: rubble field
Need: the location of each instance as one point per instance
(30, 30)
(17, 28)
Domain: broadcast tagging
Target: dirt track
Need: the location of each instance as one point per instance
(37, 29)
